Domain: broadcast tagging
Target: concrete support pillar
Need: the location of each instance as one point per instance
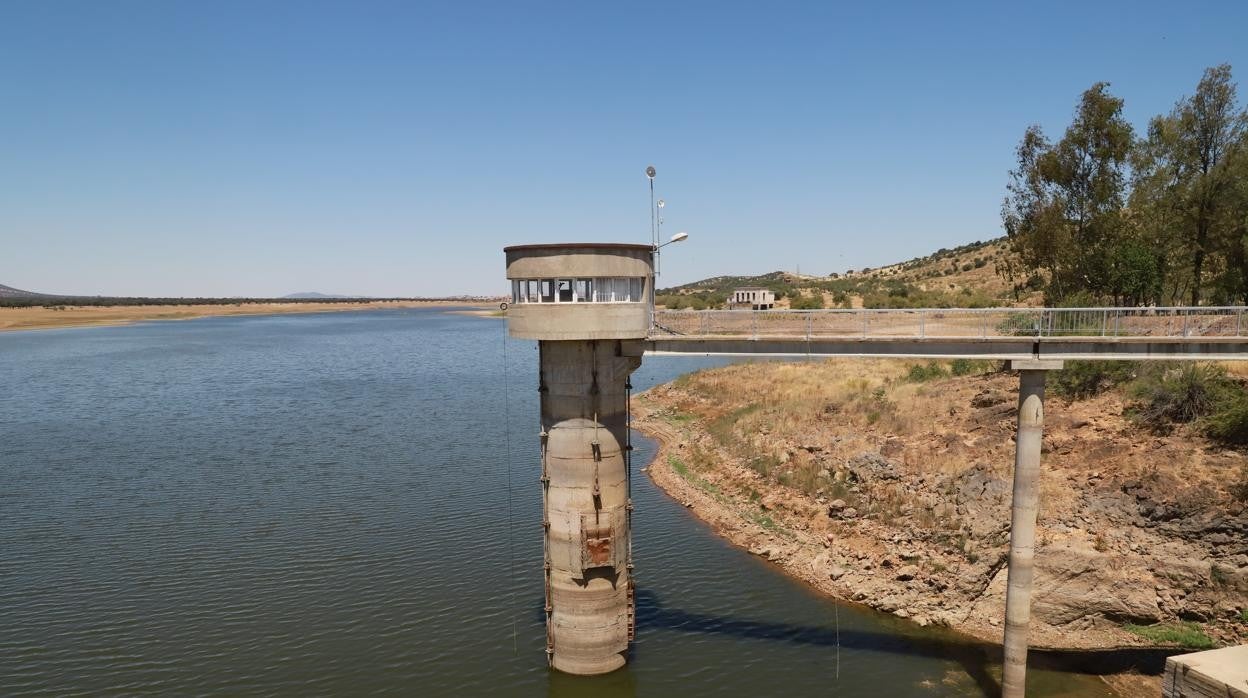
(1023, 522)
(586, 508)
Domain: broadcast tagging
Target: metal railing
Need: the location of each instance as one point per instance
(955, 323)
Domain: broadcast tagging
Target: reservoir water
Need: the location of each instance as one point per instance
(325, 504)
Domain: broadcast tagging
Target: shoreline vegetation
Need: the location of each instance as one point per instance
(40, 317)
(886, 486)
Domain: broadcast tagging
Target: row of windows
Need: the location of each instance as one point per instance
(752, 296)
(596, 290)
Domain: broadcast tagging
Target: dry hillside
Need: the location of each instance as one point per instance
(966, 276)
(890, 486)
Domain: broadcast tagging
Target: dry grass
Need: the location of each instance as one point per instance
(788, 422)
(983, 279)
(798, 424)
(1235, 369)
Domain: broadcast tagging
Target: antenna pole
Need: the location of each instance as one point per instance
(654, 240)
(654, 236)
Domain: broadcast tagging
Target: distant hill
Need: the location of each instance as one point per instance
(312, 295)
(727, 283)
(10, 292)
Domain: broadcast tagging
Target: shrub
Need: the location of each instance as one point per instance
(1228, 418)
(1177, 395)
(1228, 423)
(966, 367)
(921, 372)
(804, 302)
(1182, 634)
(1083, 379)
(1218, 577)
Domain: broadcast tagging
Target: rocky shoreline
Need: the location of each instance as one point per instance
(918, 526)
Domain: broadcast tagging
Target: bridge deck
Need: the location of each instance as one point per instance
(997, 333)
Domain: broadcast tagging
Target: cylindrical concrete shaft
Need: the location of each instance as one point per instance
(1023, 530)
(585, 418)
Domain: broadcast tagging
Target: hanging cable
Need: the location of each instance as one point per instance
(628, 506)
(837, 608)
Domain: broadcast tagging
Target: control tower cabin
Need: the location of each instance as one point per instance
(582, 302)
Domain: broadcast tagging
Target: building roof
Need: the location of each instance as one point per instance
(579, 246)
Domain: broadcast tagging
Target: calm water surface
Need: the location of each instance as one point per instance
(324, 504)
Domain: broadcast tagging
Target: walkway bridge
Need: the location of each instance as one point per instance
(1185, 333)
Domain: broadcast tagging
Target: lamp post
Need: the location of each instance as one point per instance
(678, 237)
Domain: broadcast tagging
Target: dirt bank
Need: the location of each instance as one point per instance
(36, 318)
(895, 494)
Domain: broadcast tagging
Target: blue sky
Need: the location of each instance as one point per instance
(393, 148)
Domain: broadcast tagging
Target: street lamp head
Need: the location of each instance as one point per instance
(661, 203)
(650, 172)
(675, 238)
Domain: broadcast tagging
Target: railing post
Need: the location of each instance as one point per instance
(1238, 317)
(864, 324)
(1104, 322)
(1117, 321)
(754, 323)
(809, 317)
(983, 326)
(922, 324)
(1184, 322)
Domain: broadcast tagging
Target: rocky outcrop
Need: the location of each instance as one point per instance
(1077, 587)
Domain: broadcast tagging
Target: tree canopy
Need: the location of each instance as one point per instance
(1109, 217)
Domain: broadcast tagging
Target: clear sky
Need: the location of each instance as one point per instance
(393, 148)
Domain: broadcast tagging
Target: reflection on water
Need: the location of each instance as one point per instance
(320, 504)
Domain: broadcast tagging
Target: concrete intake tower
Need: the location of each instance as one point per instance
(588, 307)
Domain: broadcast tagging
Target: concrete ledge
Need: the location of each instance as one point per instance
(572, 321)
(1222, 673)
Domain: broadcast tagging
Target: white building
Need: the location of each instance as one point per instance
(756, 297)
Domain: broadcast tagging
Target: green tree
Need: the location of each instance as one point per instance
(1233, 240)
(1063, 208)
(1135, 273)
(1186, 183)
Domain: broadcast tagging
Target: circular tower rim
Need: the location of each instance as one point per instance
(579, 246)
